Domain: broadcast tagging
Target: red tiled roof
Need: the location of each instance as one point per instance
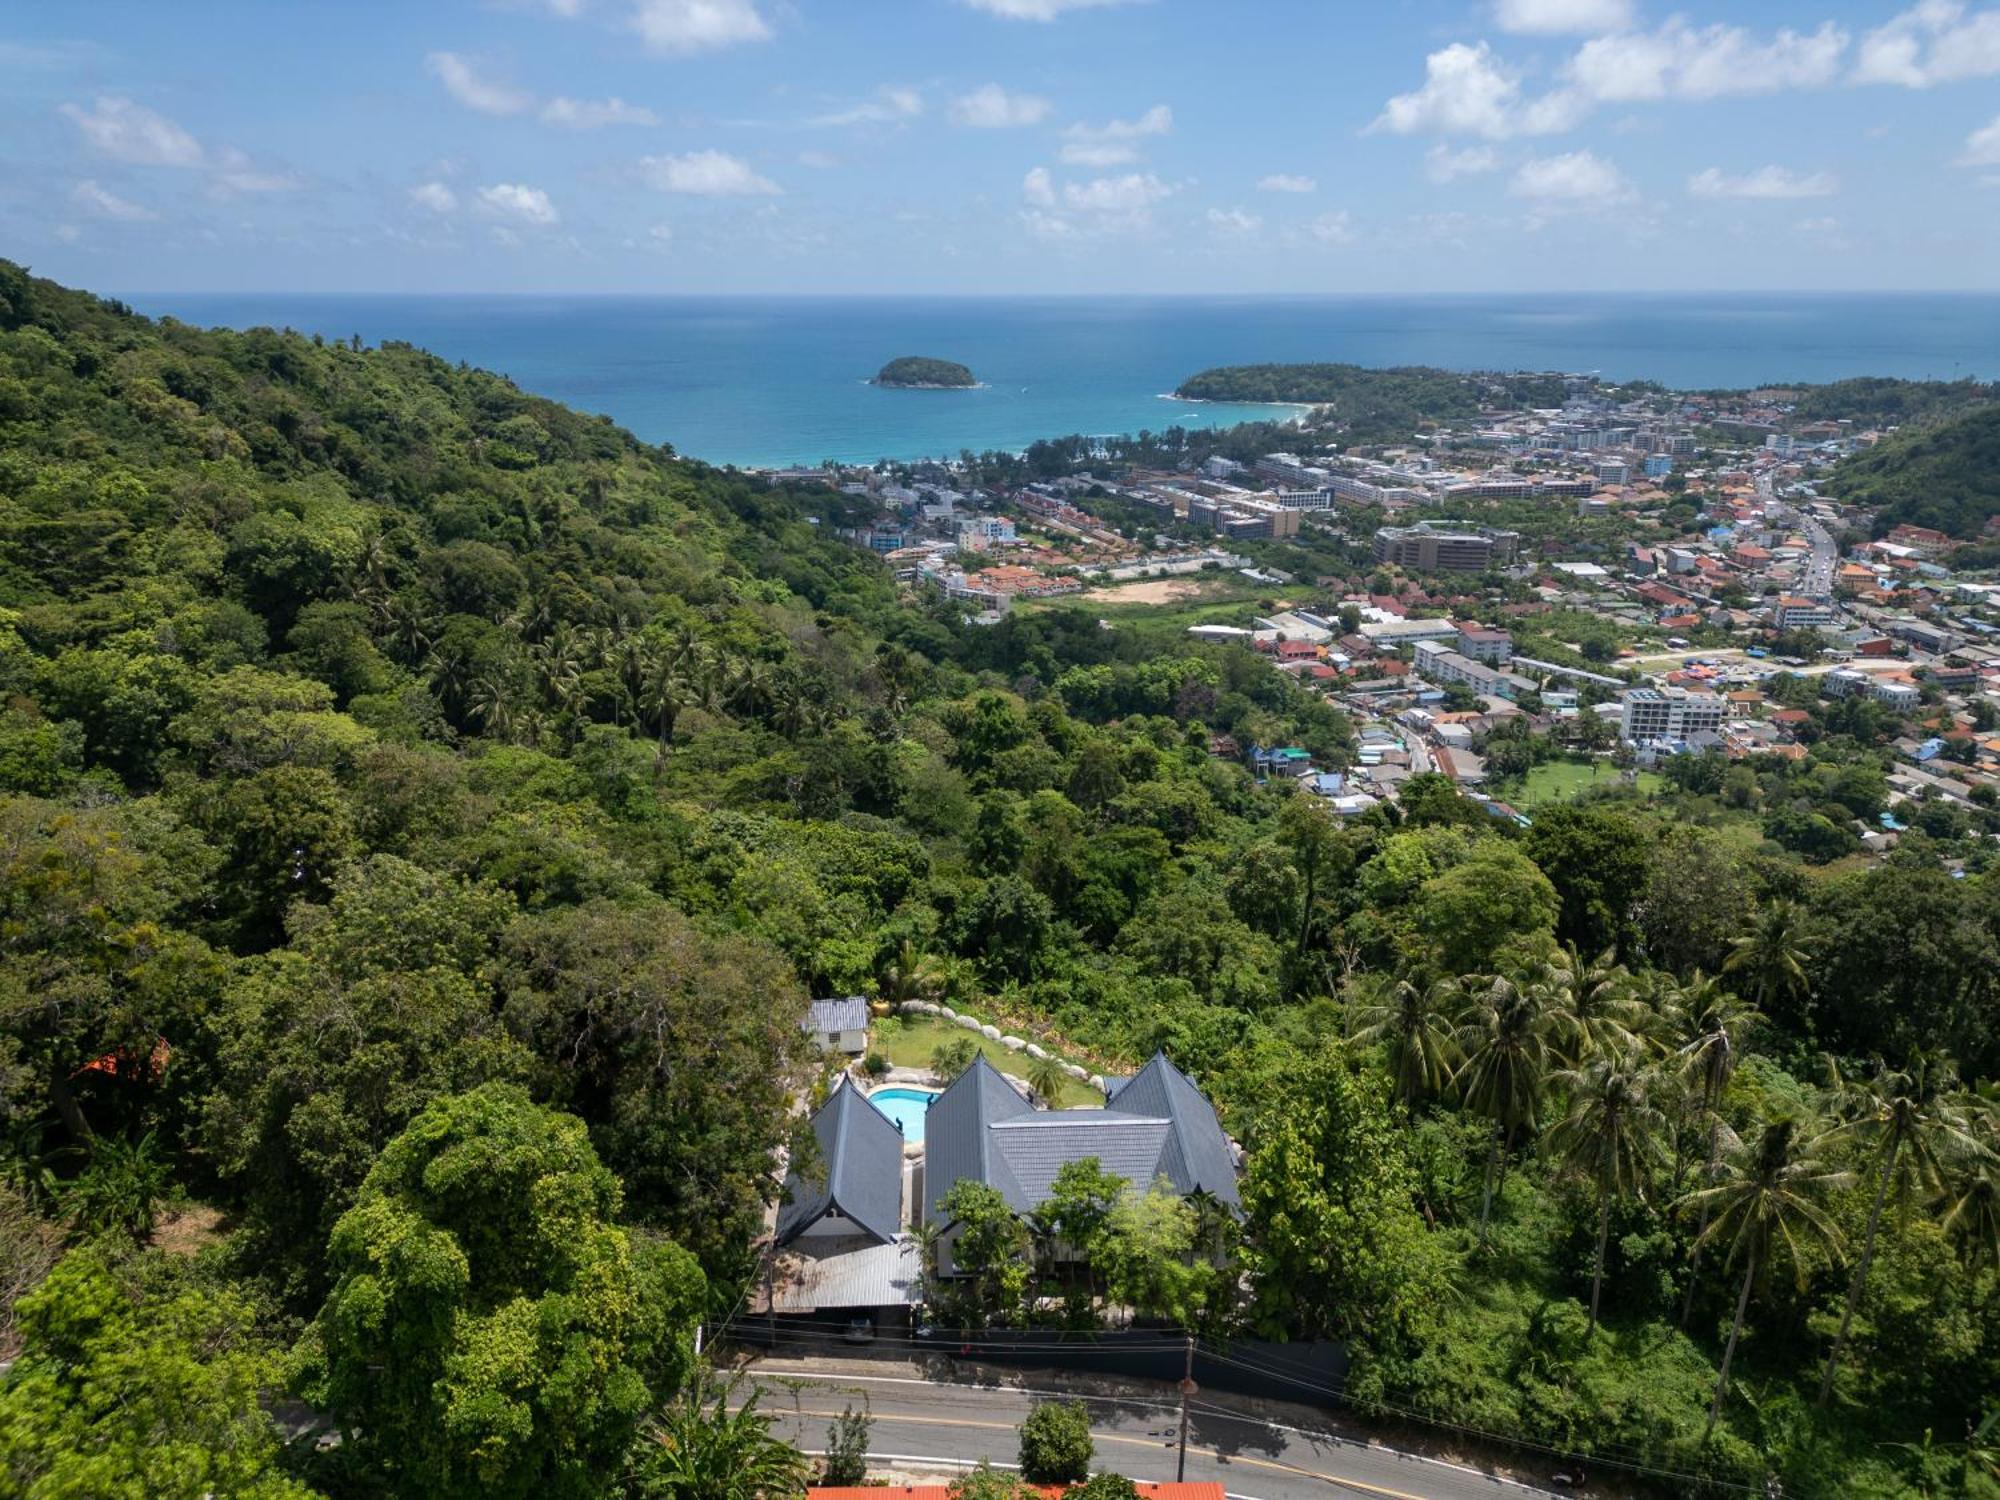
(1206, 1489)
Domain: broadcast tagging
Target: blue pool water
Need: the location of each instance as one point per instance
(906, 1107)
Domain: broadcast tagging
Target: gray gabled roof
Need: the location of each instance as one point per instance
(860, 1170)
(1157, 1124)
(849, 1014)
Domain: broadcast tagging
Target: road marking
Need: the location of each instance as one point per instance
(1222, 1411)
(963, 1463)
(1275, 1465)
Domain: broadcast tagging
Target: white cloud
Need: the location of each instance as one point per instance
(1234, 223)
(888, 105)
(1826, 225)
(516, 200)
(682, 28)
(1133, 193)
(233, 172)
(434, 196)
(1564, 17)
(464, 82)
(1286, 182)
(594, 114)
(1982, 147)
(1156, 121)
(1935, 41)
(1037, 10)
(991, 107)
(1679, 61)
(1098, 154)
(707, 174)
(1765, 182)
(1442, 164)
(1038, 188)
(1468, 91)
(660, 234)
(128, 132)
(1334, 228)
(104, 204)
(819, 161)
(1573, 177)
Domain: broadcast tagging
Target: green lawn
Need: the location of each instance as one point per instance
(1560, 780)
(908, 1041)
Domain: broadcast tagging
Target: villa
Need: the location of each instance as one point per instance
(844, 1245)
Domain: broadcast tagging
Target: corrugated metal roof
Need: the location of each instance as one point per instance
(848, 1272)
(849, 1014)
(860, 1169)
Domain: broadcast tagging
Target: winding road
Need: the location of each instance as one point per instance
(920, 1422)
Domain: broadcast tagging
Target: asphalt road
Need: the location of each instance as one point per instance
(917, 1419)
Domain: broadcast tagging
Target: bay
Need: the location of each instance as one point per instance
(783, 380)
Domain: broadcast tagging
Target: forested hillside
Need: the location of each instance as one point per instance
(1944, 475)
(425, 812)
(1382, 405)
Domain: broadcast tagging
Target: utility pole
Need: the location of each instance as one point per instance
(1188, 1388)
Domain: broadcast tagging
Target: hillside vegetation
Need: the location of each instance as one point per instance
(425, 813)
(916, 370)
(1375, 405)
(1945, 475)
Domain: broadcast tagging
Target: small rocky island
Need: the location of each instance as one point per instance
(913, 372)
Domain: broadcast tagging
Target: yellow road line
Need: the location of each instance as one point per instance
(1276, 1465)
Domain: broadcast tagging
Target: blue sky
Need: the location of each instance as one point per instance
(1002, 145)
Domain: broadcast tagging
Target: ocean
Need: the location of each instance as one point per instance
(783, 380)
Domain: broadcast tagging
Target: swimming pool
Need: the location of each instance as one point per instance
(906, 1107)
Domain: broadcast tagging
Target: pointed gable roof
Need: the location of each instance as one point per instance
(1156, 1124)
(861, 1160)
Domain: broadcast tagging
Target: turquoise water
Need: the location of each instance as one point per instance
(778, 380)
(906, 1107)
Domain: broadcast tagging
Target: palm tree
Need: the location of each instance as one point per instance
(910, 974)
(1909, 1124)
(1709, 1024)
(1415, 1026)
(1506, 1063)
(1592, 1012)
(1611, 1135)
(1767, 1195)
(695, 1451)
(1969, 1210)
(1771, 956)
(1046, 1077)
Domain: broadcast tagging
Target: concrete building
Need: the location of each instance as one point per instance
(1794, 613)
(1493, 647)
(1654, 714)
(1437, 662)
(1433, 548)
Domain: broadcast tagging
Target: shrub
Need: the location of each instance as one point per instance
(847, 1447)
(874, 1065)
(1105, 1487)
(1055, 1443)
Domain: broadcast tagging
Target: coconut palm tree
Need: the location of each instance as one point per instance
(1910, 1125)
(1414, 1024)
(910, 974)
(1503, 1041)
(1708, 1024)
(1591, 1009)
(1611, 1135)
(1770, 959)
(1766, 1195)
(1968, 1208)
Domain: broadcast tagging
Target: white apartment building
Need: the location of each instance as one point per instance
(1668, 713)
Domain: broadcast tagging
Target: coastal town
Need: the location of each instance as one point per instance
(1534, 602)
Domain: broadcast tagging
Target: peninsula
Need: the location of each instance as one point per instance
(916, 372)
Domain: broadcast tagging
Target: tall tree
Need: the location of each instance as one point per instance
(1307, 830)
(1909, 1126)
(1769, 958)
(1413, 1024)
(1768, 1196)
(492, 1331)
(1611, 1138)
(1503, 1039)
(1708, 1025)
